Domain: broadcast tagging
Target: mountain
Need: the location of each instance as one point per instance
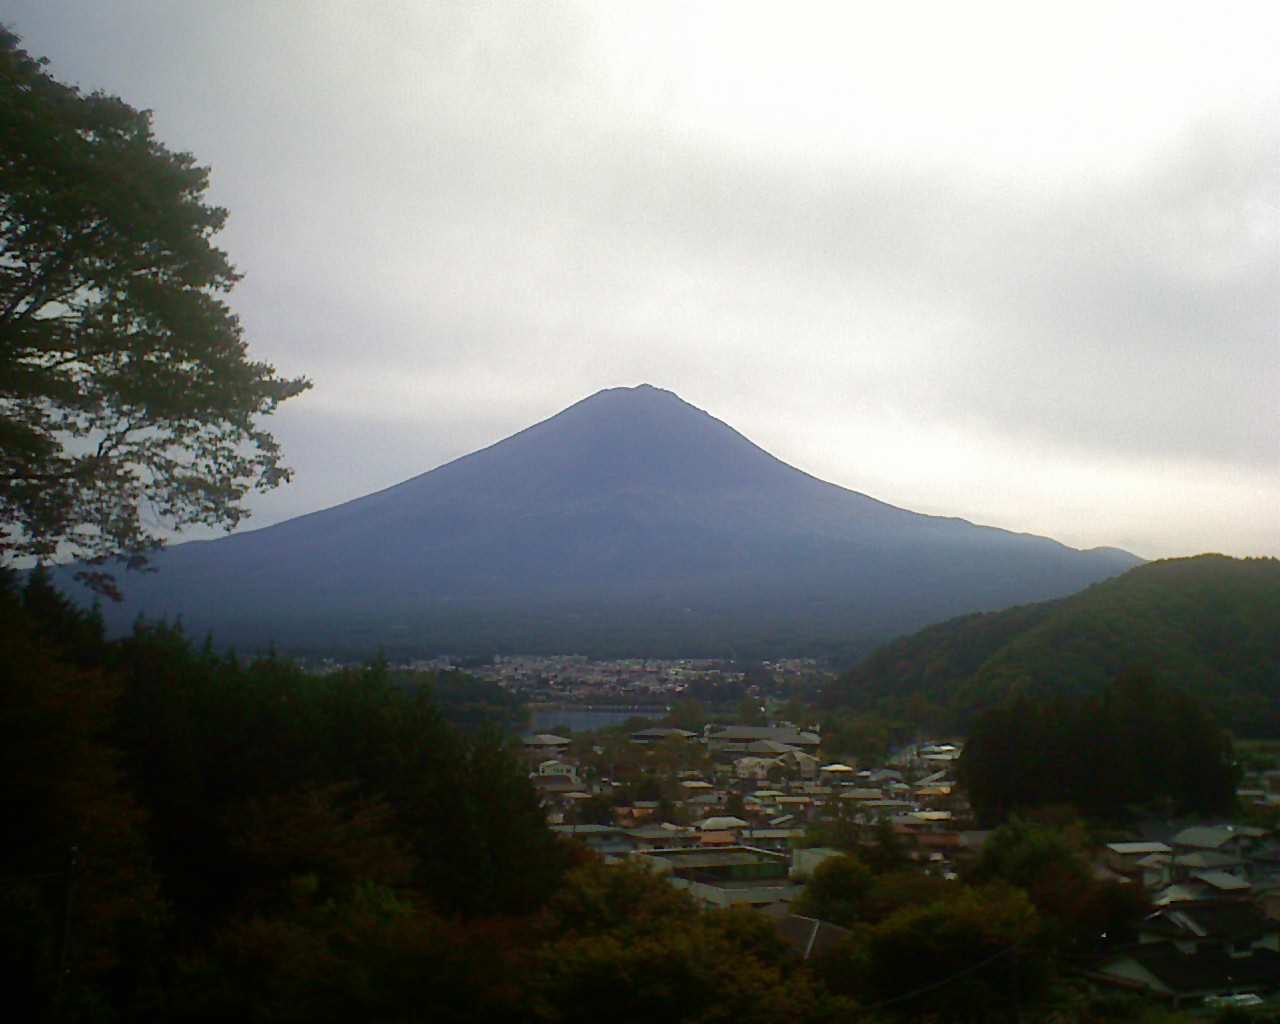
(631, 522)
(1209, 625)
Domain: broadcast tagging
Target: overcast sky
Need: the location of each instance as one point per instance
(1018, 263)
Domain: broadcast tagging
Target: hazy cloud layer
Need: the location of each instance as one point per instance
(1016, 266)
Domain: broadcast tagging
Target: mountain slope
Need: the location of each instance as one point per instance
(630, 522)
(1209, 624)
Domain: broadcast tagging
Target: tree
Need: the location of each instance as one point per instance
(127, 397)
(1052, 867)
(838, 891)
(887, 850)
(688, 713)
(80, 911)
(1147, 743)
(623, 944)
(749, 712)
(972, 955)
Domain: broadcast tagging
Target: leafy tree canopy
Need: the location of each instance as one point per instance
(125, 385)
(838, 891)
(1138, 742)
(1209, 625)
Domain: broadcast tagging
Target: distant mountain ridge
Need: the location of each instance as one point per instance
(1209, 625)
(631, 522)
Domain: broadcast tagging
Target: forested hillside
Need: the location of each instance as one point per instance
(193, 838)
(1209, 625)
(1137, 743)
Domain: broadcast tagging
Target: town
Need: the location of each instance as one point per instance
(746, 816)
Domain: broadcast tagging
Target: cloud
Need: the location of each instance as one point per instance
(920, 256)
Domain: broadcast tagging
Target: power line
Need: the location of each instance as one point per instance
(903, 997)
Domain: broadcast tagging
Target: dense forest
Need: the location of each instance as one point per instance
(1134, 744)
(1208, 625)
(193, 838)
(196, 838)
(182, 822)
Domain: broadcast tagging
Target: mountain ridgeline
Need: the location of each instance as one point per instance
(1208, 625)
(630, 523)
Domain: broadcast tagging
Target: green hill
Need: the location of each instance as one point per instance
(1209, 625)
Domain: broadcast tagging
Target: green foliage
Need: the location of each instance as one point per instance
(1023, 853)
(900, 889)
(971, 955)
(365, 957)
(1051, 866)
(625, 898)
(256, 843)
(124, 377)
(839, 832)
(933, 662)
(688, 713)
(838, 891)
(626, 946)
(749, 712)
(301, 841)
(78, 898)
(469, 703)
(1209, 624)
(886, 851)
(858, 738)
(1135, 743)
(212, 742)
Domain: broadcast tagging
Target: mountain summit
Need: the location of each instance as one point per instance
(631, 522)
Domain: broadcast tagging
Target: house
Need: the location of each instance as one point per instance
(862, 794)
(722, 823)
(1130, 859)
(1183, 865)
(1232, 840)
(539, 747)
(718, 838)
(554, 766)
(1238, 927)
(1161, 970)
(706, 802)
(606, 840)
(757, 768)
(732, 741)
(1202, 887)
(662, 837)
(805, 937)
(638, 811)
(728, 877)
(771, 838)
(657, 735)
(771, 748)
(1188, 952)
(797, 762)
(805, 860)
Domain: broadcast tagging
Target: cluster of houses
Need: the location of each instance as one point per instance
(734, 834)
(740, 823)
(575, 678)
(569, 680)
(1214, 930)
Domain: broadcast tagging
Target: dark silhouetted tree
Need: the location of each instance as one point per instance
(125, 384)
